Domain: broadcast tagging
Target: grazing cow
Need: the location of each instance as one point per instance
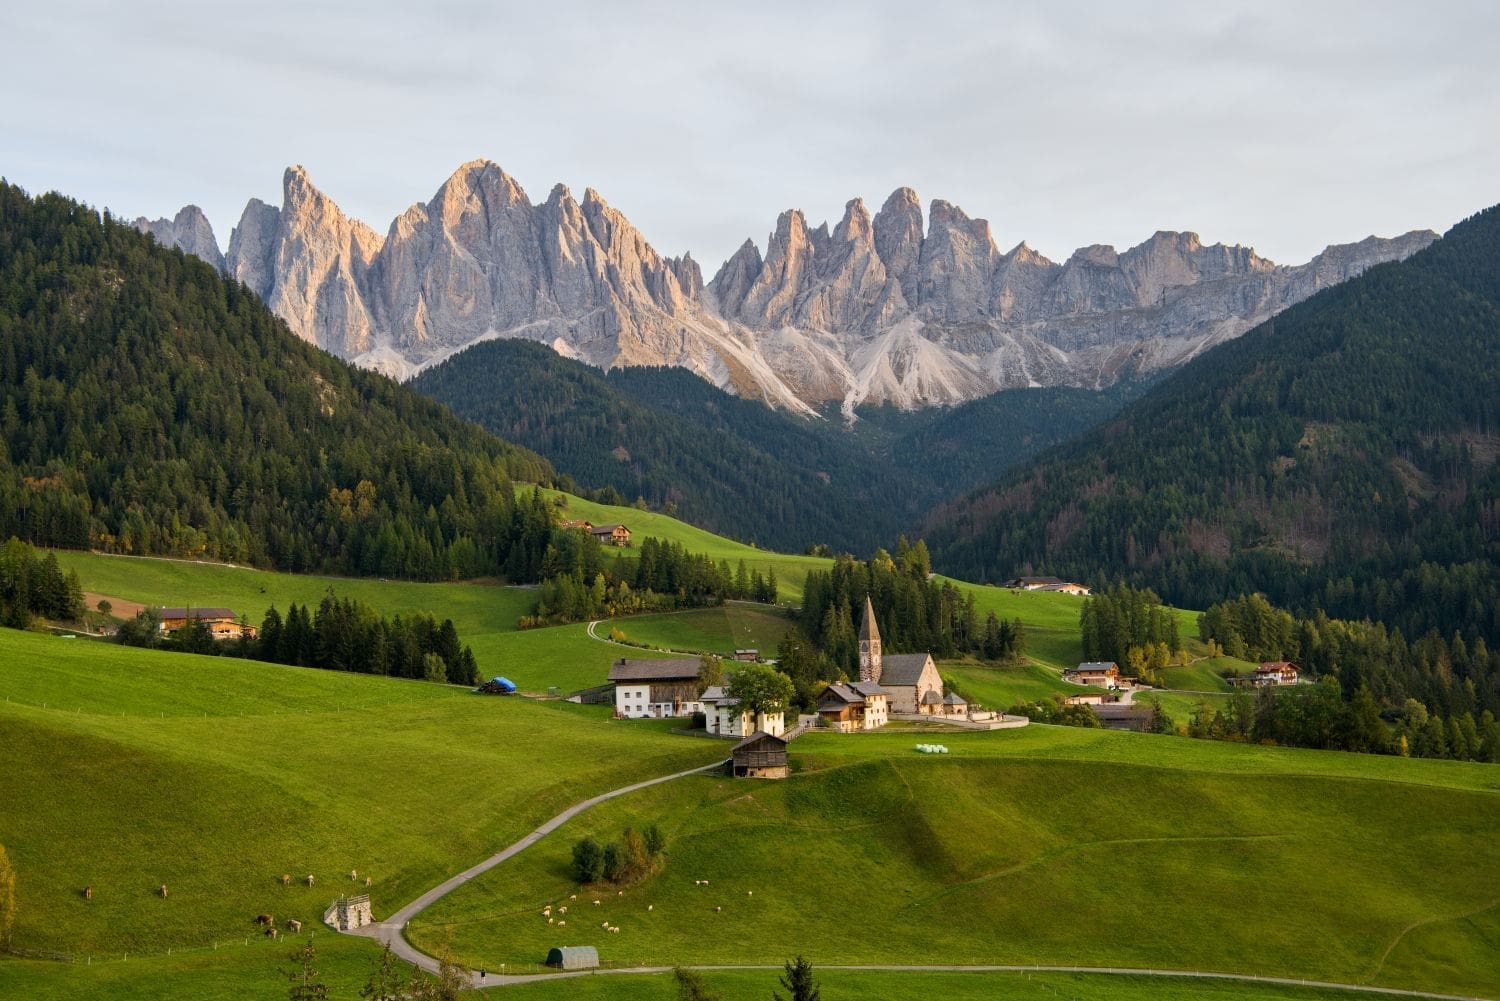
(271, 932)
(265, 919)
(286, 879)
(88, 893)
(309, 879)
(293, 925)
(718, 909)
(353, 875)
(164, 891)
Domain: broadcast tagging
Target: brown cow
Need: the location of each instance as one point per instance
(286, 879)
(293, 925)
(264, 919)
(163, 891)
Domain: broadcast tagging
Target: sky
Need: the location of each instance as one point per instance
(1283, 126)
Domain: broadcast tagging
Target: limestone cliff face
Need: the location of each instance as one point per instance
(189, 231)
(892, 308)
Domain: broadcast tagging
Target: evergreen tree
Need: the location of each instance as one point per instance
(797, 981)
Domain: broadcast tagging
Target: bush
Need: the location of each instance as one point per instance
(614, 861)
(656, 841)
(588, 861)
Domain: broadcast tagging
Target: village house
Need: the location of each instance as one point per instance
(222, 622)
(861, 705)
(655, 688)
(910, 680)
(747, 656)
(955, 705)
(1277, 672)
(760, 756)
(1056, 584)
(1097, 674)
(723, 717)
(611, 535)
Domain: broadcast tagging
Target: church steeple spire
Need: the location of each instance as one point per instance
(869, 645)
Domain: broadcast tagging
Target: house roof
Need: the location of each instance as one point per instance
(195, 613)
(902, 668)
(868, 630)
(844, 693)
(1275, 667)
(667, 669)
(1098, 665)
(606, 529)
(717, 694)
(867, 688)
(1023, 581)
(954, 699)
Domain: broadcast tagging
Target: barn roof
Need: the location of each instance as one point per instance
(665, 669)
(844, 693)
(902, 668)
(1098, 665)
(755, 738)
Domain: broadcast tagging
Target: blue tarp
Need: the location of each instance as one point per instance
(506, 684)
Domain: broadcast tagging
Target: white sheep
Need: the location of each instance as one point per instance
(598, 902)
(650, 907)
(573, 897)
(563, 909)
(718, 909)
(561, 924)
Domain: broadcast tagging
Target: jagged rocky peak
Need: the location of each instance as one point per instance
(188, 231)
(898, 239)
(898, 307)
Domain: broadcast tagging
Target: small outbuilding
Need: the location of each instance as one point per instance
(573, 957)
(348, 913)
(760, 756)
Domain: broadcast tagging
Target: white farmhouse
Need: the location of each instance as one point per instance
(655, 689)
(722, 715)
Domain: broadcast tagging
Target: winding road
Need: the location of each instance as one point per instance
(392, 931)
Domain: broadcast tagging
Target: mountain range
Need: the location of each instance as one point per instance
(892, 308)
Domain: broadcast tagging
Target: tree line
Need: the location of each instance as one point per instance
(579, 584)
(32, 585)
(343, 634)
(912, 611)
(1131, 627)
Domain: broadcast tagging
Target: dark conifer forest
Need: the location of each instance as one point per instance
(1342, 458)
(150, 406)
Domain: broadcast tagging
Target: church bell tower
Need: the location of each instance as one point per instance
(869, 646)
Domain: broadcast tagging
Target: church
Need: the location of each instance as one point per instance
(910, 680)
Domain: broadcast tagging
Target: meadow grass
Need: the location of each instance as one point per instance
(237, 972)
(1203, 675)
(1010, 851)
(1001, 686)
(791, 571)
(127, 769)
(732, 626)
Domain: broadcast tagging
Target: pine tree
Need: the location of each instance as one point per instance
(798, 982)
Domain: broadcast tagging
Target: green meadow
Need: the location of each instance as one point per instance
(1017, 847)
(736, 625)
(133, 769)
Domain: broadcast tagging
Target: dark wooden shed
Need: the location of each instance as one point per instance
(760, 756)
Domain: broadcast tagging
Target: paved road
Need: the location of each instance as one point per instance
(391, 930)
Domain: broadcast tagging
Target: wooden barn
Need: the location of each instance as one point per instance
(760, 756)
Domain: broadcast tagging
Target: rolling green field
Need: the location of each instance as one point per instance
(1003, 850)
(214, 776)
(1203, 675)
(733, 626)
(231, 974)
(1004, 686)
(791, 571)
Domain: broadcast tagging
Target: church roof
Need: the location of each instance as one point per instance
(868, 630)
(902, 668)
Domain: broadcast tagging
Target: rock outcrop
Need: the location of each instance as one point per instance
(189, 231)
(883, 309)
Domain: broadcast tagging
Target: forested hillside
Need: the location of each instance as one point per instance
(736, 466)
(1342, 458)
(147, 405)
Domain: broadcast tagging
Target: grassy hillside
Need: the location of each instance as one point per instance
(791, 571)
(1038, 846)
(735, 626)
(125, 769)
(253, 971)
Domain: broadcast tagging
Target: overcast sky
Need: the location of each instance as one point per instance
(1285, 126)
